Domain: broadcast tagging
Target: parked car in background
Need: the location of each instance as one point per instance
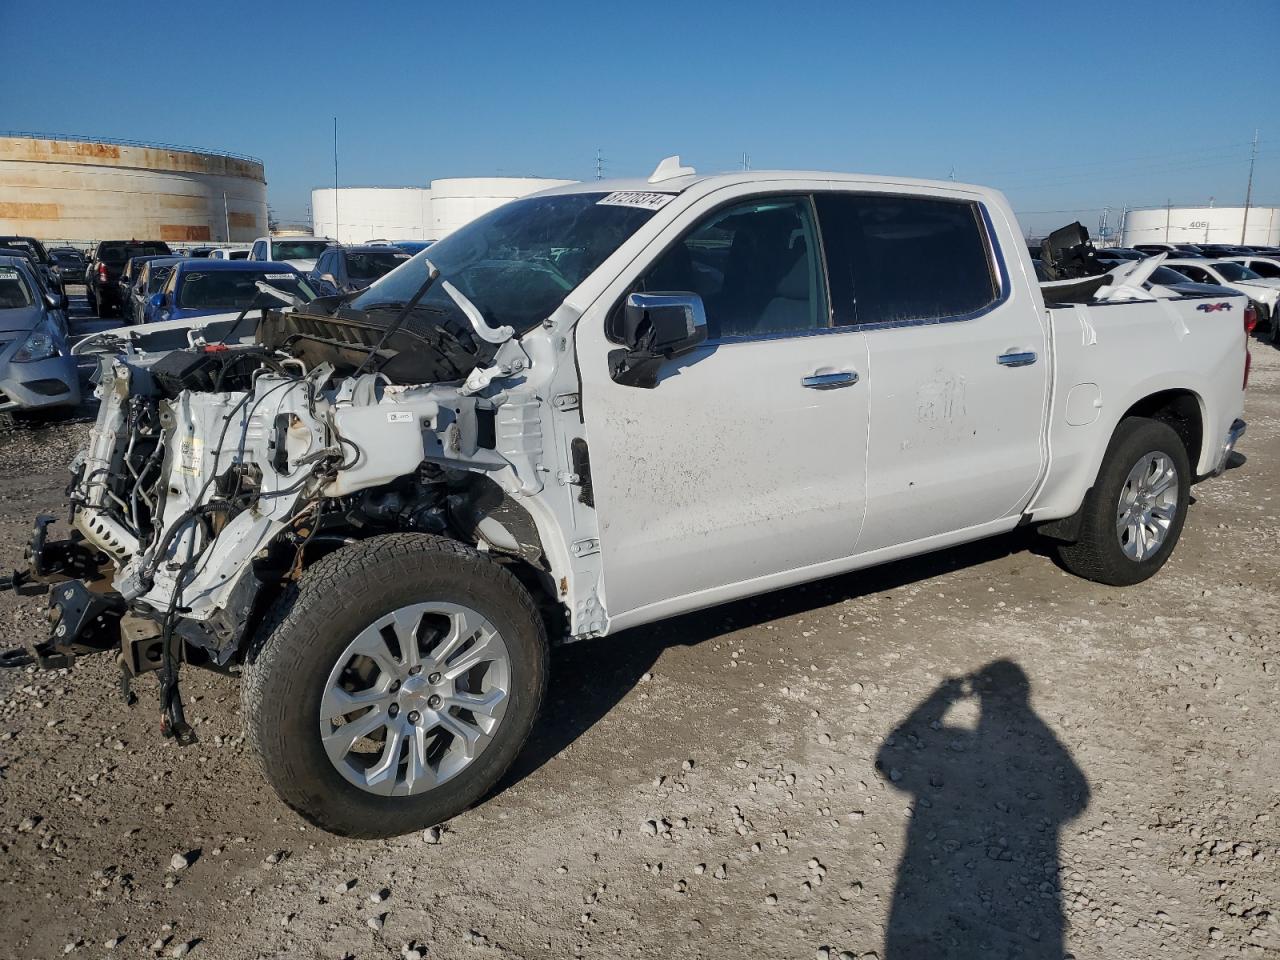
(38, 255)
(1169, 282)
(229, 253)
(199, 253)
(68, 265)
(1215, 250)
(36, 366)
(1113, 255)
(152, 274)
(299, 252)
(102, 275)
(1172, 249)
(1267, 267)
(197, 288)
(412, 246)
(344, 269)
(128, 281)
(1263, 292)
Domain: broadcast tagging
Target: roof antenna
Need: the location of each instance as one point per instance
(670, 169)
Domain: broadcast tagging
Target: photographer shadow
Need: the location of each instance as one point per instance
(979, 875)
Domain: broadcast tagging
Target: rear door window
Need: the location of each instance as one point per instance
(756, 267)
(1265, 269)
(905, 259)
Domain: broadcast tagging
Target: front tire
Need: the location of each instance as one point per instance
(1132, 517)
(394, 685)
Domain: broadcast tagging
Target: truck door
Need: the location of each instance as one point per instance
(745, 464)
(957, 373)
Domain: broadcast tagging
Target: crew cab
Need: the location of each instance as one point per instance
(102, 275)
(300, 253)
(594, 408)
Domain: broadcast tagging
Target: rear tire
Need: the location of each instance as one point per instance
(1131, 519)
(325, 651)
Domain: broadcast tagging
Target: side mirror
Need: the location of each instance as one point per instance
(56, 301)
(655, 327)
(329, 278)
(156, 301)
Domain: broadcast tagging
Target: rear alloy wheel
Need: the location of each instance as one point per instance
(393, 687)
(1131, 519)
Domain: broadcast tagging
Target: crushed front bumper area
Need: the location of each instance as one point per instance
(82, 619)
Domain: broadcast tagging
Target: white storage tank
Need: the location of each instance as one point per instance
(1202, 225)
(361, 214)
(459, 200)
(61, 188)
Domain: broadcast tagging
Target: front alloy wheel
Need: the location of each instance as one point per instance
(415, 698)
(394, 685)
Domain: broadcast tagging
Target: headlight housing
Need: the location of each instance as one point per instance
(39, 345)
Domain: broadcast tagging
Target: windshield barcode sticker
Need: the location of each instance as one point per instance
(278, 276)
(636, 198)
(6, 274)
(401, 256)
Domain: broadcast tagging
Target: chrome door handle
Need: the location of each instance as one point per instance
(1017, 358)
(829, 381)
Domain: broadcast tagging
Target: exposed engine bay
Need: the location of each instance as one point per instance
(214, 474)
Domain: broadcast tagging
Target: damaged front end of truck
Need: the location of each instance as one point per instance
(214, 475)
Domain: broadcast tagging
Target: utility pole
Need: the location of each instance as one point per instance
(336, 232)
(746, 161)
(1168, 212)
(1248, 193)
(226, 216)
(599, 164)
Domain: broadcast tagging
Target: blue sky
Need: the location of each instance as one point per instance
(1067, 107)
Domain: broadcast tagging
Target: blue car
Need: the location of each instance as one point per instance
(202, 288)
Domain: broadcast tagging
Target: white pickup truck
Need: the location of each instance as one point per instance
(597, 407)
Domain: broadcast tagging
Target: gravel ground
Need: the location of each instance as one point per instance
(799, 775)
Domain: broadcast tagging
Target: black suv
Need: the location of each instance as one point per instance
(102, 276)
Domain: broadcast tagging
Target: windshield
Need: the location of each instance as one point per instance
(297, 249)
(516, 263)
(235, 289)
(14, 292)
(1235, 273)
(372, 264)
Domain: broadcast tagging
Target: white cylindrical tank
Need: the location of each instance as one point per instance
(1202, 225)
(459, 200)
(361, 214)
(73, 189)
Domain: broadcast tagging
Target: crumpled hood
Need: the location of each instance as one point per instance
(20, 319)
